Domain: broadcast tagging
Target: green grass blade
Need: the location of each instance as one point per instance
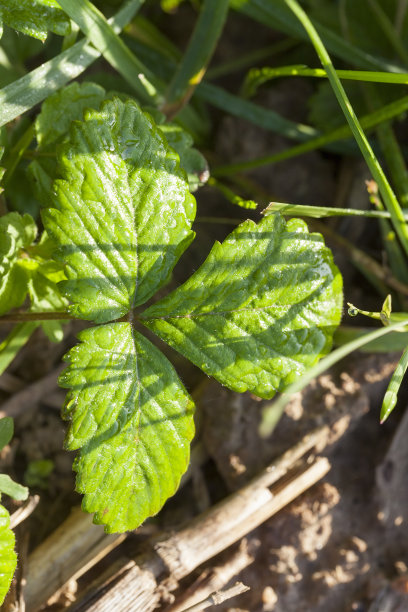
(252, 57)
(319, 212)
(258, 76)
(326, 363)
(391, 395)
(198, 54)
(264, 118)
(6, 431)
(18, 97)
(368, 122)
(94, 25)
(390, 32)
(220, 98)
(278, 16)
(386, 191)
(396, 257)
(395, 161)
(397, 341)
(390, 147)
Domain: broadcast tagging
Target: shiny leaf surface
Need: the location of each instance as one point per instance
(260, 310)
(132, 419)
(124, 212)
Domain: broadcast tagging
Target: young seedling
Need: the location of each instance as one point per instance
(258, 313)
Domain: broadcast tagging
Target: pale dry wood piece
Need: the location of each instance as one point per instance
(231, 519)
(69, 552)
(213, 579)
(177, 555)
(218, 597)
(27, 398)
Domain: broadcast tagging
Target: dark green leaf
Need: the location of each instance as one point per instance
(132, 419)
(260, 311)
(6, 431)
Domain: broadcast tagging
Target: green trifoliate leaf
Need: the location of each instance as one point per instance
(16, 233)
(8, 557)
(132, 419)
(35, 17)
(11, 488)
(124, 212)
(261, 309)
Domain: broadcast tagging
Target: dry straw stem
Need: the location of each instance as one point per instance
(69, 552)
(138, 584)
(215, 579)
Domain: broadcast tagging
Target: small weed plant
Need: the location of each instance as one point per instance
(256, 315)
(98, 210)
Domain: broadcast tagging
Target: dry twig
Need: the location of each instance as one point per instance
(218, 597)
(24, 512)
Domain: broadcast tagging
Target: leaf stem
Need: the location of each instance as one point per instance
(17, 317)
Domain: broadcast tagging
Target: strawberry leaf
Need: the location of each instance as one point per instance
(124, 213)
(260, 310)
(132, 419)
